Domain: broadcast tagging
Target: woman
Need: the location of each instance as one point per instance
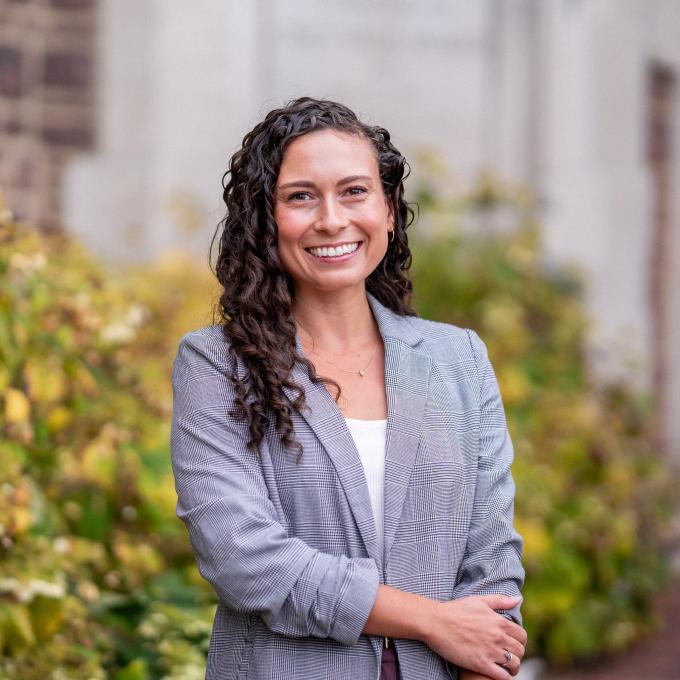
(342, 466)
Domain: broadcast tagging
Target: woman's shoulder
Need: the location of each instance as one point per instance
(447, 342)
(437, 330)
(206, 334)
(205, 344)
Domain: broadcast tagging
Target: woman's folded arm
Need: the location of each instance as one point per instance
(492, 561)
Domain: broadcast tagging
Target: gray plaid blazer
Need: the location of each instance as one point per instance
(290, 544)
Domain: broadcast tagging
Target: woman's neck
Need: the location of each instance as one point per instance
(337, 322)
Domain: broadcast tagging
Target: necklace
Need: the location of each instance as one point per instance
(361, 371)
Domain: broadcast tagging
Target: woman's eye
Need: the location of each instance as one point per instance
(356, 191)
(298, 196)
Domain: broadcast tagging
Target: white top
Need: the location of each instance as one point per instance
(370, 438)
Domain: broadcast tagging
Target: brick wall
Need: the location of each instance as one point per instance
(47, 100)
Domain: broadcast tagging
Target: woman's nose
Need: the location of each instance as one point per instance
(332, 216)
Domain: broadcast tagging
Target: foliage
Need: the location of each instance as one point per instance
(593, 500)
(97, 577)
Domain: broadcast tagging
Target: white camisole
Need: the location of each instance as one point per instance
(370, 437)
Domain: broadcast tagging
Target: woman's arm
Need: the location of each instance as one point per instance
(241, 547)
(492, 560)
(467, 632)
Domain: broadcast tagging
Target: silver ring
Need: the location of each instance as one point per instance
(508, 656)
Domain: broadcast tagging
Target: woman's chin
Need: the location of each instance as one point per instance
(333, 285)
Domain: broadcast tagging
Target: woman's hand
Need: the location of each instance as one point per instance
(465, 631)
(469, 633)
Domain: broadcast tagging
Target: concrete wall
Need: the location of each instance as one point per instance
(176, 93)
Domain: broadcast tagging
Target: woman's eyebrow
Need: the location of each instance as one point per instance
(307, 183)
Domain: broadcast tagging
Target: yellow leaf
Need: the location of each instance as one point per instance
(537, 541)
(514, 385)
(22, 520)
(85, 382)
(46, 616)
(4, 378)
(46, 380)
(17, 406)
(58, 418)
(18, 629)
(160, 492)
(97, 462)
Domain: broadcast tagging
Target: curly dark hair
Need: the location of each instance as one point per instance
(257, 298)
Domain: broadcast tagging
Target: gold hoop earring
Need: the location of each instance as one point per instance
(390, 238)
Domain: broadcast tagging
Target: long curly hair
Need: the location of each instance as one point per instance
(257, 299)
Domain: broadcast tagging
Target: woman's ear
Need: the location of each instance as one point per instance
(390, 214)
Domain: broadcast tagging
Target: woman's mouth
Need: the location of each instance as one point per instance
(333, 252)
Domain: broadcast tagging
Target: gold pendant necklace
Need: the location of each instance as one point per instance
(361, 372)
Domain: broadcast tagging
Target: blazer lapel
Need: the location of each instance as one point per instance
(326, 420)
(407, 377)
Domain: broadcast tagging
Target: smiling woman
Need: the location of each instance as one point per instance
(342, 467)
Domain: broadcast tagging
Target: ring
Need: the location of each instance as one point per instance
(508, 656)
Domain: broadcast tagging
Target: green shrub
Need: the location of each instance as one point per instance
(97, 576)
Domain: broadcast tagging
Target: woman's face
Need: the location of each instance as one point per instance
(331, 212)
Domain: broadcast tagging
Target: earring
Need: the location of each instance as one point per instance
(391, 235)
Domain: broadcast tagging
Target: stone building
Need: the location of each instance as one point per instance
(47, 114)
(574, 98)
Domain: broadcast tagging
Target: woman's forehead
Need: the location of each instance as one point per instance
(326, 151)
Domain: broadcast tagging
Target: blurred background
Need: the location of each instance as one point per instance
(543, 140)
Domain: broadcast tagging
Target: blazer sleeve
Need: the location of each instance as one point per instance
(492, 561)
(241, 547)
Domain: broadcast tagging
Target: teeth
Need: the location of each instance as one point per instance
(335, 252)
